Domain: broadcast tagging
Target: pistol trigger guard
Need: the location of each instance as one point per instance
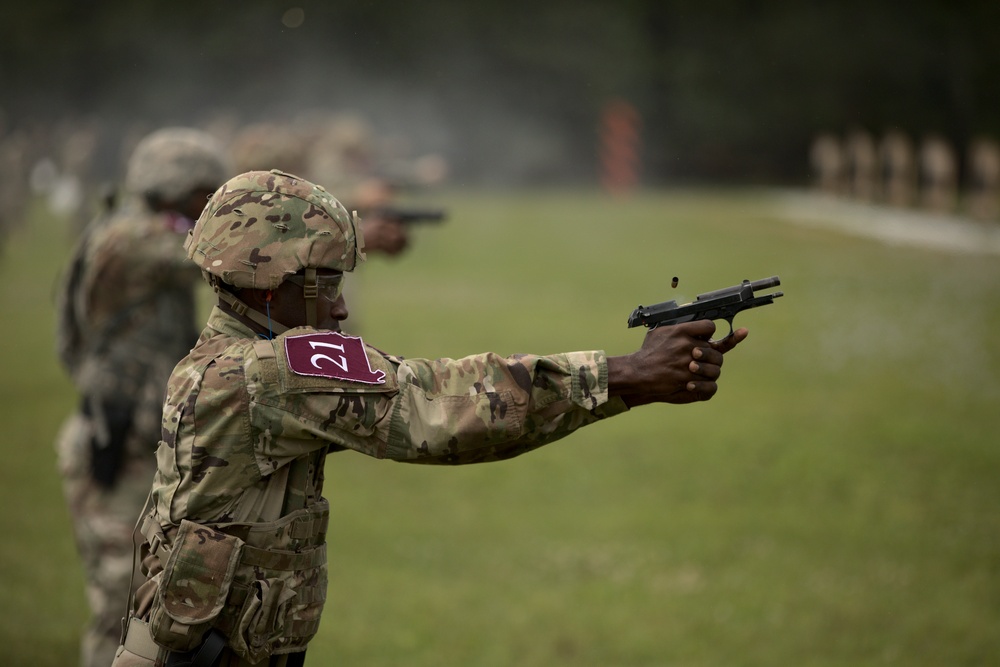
(729, 335)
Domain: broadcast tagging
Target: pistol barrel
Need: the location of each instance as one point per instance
(765, 283)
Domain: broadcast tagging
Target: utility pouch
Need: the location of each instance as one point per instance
(195, 584)
(262, 619)
(276, 602)
(138, 649)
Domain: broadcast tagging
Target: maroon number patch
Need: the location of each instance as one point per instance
(331, 355)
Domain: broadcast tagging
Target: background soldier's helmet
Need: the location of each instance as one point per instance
(263, 146)
(263, 226)
(171, 163)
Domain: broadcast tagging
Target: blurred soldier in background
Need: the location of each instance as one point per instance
(60, 168)
(340, 150)
(345, 153)
(984, 178)
(898, 168)
(938, 174)
(263, 146)
(126, 315)
(826, 156)
(862, 165)
(14, 155)
(368, 176)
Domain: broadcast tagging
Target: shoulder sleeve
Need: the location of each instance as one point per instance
(331, 362)
(292, 411)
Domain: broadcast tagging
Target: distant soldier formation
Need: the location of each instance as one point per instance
(72, 166)
(894, 170)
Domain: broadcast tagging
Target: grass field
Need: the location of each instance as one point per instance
(836, 504)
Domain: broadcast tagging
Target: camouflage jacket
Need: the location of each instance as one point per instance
(126, 311)
(245, 430)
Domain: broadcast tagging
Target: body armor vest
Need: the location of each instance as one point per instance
(263, 585)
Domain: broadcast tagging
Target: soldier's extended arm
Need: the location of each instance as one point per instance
(405, 216)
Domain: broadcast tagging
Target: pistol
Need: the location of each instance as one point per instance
(721, 304)
(406, 216)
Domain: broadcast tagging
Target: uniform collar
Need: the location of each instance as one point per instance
(227, 325)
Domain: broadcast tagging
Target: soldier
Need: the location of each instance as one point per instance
(263, 146)
(126, 316)
(342, 151)
(15, 153)
(862, 165)
(234, 549)
(984, 178)
(938, 174)
(268, 146)
(826, 156)
(899, 173)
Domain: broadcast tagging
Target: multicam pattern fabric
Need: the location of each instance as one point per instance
(132, 302)
(103, 522)
(132, 311)
(244, 438)
(172, 162)
(263, 226)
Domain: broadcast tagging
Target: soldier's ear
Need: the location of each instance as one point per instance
(258, 297)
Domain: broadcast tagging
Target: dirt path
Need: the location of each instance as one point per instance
(890, 225)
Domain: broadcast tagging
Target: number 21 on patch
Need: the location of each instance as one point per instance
(331, 355)
(340, 361)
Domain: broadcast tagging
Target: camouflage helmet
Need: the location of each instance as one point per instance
(173, 162)
(266, 146)
(261, 227)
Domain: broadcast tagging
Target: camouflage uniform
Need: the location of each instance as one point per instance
(235, 539)
(126, 315)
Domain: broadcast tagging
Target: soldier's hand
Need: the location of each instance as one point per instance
(676, 364)
(384, 236)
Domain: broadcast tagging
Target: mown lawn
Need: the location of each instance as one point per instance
(835, 504)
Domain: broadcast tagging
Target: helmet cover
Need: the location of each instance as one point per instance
(173, 162)
(263, 226)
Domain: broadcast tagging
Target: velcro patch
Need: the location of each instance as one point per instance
(331, 355)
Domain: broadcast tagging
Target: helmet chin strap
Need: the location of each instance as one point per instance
(243, 310)
(310, 292)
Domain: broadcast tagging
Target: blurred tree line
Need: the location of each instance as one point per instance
(727, 91)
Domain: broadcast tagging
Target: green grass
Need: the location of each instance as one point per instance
(835, 504)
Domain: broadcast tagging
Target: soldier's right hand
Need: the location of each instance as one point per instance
(676, 364)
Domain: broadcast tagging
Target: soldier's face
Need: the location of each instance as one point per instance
(197, 201)
(288, 305)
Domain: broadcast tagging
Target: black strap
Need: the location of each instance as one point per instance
(208, 654)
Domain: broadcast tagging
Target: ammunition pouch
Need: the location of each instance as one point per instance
(194, 586)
